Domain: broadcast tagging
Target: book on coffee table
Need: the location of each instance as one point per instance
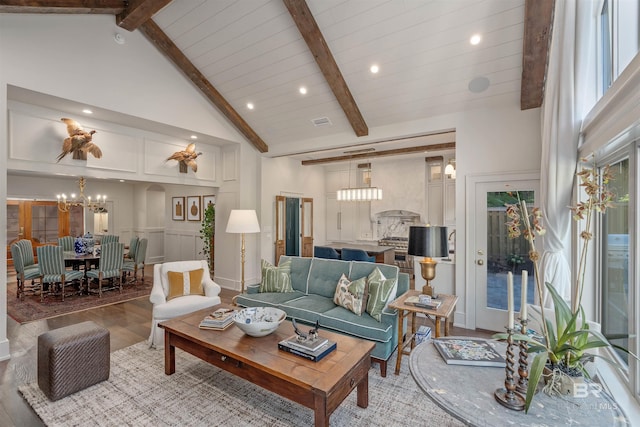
(314, 356)
(218, 320)
(305, 345)
(469, 351)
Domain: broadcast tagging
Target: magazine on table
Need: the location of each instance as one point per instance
(469, 351)
(415, 301)
(219, 319)
(314, 356)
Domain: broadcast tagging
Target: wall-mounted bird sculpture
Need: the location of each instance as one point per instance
(79, 142)
(186, 158)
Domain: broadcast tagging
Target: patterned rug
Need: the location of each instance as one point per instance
(138, 393)
(30, 308)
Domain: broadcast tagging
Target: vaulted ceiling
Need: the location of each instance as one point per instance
(263, 51)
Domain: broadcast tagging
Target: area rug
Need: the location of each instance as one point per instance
(30, 308)
(138, 393)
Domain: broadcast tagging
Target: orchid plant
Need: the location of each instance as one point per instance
(563, 344)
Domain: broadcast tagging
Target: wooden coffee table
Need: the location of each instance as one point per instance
(321, 386)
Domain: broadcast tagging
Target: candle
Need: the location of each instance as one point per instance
(523, 303)
(510, 298)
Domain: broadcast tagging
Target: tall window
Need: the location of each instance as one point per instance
(606, 48)
(615, 261)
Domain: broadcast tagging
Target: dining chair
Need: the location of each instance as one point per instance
(66, 242)
(347, 254)
(138, 261)
(23, 273)
(325, 252)
(133, 245)
(53, 271)
(27, 252)
(109, 238)
(109, 267)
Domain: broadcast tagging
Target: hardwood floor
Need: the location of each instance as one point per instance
(128, 323)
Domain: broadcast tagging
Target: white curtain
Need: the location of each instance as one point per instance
(562, 114)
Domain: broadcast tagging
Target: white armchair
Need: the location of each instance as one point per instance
(164, 309)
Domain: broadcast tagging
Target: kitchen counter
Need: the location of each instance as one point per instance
(383, 254)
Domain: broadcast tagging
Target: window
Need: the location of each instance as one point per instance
(606, 48)
(615, 261)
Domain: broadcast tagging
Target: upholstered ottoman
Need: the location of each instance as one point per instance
(72, 358)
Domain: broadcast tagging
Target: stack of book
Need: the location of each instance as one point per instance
(431, 305)
(423, 334)
(218, 320)
(313, 350)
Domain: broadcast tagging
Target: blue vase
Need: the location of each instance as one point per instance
(79, 246)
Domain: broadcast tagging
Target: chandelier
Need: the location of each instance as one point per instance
(361, 194)
(65, 204)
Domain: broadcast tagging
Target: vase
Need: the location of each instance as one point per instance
(79, 246)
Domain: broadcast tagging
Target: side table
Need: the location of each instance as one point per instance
(443, 312)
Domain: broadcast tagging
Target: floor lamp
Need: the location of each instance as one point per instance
(243, 221)
(428, 242)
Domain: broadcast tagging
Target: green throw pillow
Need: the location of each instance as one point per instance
(276, 279)
(381, 293)
(351, 295)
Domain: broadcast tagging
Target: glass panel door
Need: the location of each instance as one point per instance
(496, 255)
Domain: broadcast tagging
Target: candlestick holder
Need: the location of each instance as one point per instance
(507, 396)
(523, 361)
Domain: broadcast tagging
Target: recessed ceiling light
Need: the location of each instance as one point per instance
(194, 137)
(119, 38)
(374, 69)
(303, 90)
(122, 180)
(87, 111)
(250, 105)
(475, 39)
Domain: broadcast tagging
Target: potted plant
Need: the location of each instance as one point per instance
(563, 344)
(207, 234)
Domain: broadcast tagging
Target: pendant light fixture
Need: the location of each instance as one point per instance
(361, 194)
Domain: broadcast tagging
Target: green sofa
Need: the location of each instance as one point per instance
(314, 283)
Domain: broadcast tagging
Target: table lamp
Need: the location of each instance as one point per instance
(428, 242)
(243, 221)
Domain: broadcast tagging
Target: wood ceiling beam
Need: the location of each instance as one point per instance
(311, 33)
(538, 22)
(139, 12)
(164, 44)
(394, 152)
(108, 7)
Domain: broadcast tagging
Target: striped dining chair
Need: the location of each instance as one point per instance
(133, 245)
(23, 273)
(27, 252)
(53, 271)
(109, 238)
(109, 268)
(138, 261)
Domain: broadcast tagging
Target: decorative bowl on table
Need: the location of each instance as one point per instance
(259, 321)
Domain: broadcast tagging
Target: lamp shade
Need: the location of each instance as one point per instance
(428, 241)
(243, 221)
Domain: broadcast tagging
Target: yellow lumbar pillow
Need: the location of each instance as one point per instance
(185, 283)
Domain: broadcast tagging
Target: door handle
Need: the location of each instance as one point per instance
(480, 262)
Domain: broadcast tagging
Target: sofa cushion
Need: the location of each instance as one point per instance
(299, 272)
(267, 299)
(377, 276)
(344, 321)
(351, 295)
(276, 279)
(324, 274)
(362, 269)
(308, 307)
(179, 306)
(380, 292)
(185, 283)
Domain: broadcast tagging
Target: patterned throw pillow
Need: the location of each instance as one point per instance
(381, 293)
(351, 295)
(185, 283)
(276, 279)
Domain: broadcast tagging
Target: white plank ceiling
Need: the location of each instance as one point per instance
(251, 51)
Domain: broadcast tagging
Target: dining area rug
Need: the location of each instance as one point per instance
(30, 308)
(138, 393)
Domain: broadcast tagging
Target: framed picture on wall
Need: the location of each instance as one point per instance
(177, 209)
(193, 208)
(207, 201)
